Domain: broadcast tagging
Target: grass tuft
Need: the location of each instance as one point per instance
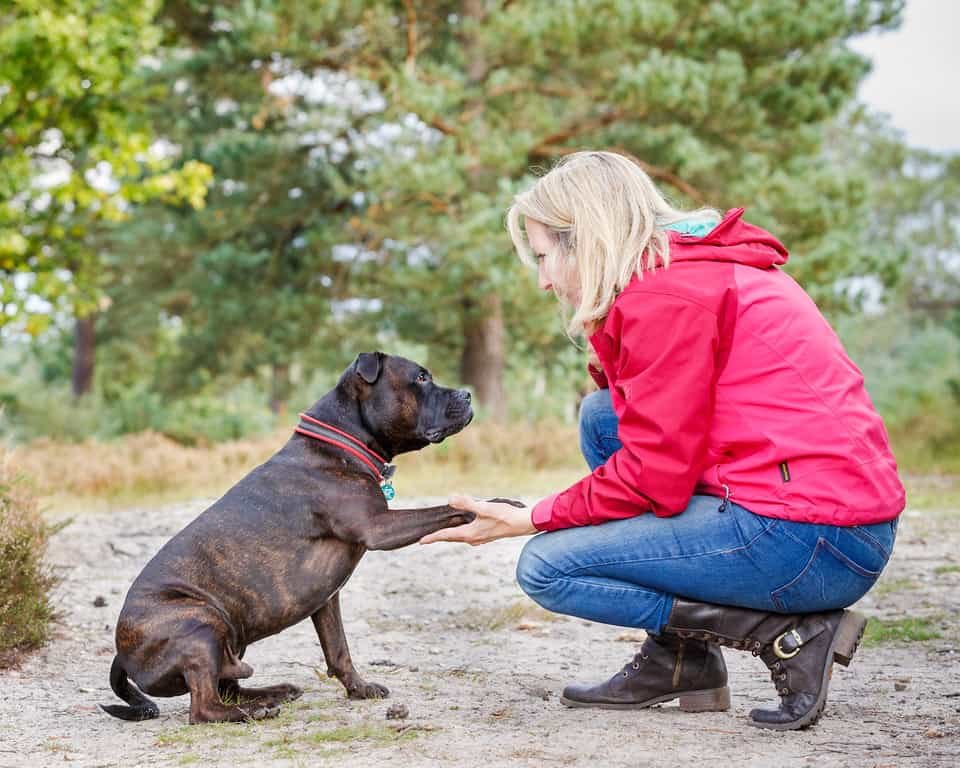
(361, 732)
(511, 615)
(907, 630)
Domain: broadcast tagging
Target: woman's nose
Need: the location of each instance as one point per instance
(543, 279)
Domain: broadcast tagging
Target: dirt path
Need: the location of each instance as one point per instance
(479, 668)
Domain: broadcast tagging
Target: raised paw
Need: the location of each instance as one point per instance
(368, 691)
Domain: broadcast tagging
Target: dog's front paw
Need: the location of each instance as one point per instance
(461, 518)
(368, 691)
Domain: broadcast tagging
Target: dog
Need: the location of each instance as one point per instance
(279, 546)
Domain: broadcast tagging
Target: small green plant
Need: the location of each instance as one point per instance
(942, 569)
(888, 586)
(908, 630)
(25, 582)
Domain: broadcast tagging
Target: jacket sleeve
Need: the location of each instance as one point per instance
(665, 375)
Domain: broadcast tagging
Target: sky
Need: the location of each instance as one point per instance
(914, 74)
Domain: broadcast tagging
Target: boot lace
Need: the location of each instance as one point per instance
(634, 665)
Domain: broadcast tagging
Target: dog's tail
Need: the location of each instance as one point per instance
(141, 708)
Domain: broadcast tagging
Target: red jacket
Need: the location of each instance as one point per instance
(725, 376)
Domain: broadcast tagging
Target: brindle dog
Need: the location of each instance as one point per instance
(277, 548)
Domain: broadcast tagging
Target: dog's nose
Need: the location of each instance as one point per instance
(464, 395)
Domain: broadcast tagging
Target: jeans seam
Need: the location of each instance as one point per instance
(577, 571)
(585, 580)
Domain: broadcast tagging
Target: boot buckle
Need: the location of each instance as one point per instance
(779, 652)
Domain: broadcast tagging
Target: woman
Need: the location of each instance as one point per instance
(742, 489)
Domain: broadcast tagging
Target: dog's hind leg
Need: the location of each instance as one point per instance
(201, 658)
(230, 691)
(329, 627)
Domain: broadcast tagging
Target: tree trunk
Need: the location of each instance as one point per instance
(280, 389)
(482, 364)
(84, 349)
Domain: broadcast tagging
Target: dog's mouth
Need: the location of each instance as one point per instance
(458, 422)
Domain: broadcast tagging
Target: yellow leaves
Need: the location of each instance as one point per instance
(12, 243)
(188, 185)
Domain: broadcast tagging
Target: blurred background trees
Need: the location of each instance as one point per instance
(259, 189)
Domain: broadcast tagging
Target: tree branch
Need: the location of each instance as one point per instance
(548, 146)
(443, 127)
(664, 174)
(551, 147)
(558, 91)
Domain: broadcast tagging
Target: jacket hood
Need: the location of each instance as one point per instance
(732, 239)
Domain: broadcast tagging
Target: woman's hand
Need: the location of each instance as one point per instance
(495, 520)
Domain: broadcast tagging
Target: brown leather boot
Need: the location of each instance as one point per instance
(666, 668)
(799, 650)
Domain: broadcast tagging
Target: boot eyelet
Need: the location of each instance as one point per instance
(635, 665)
(642, 656)
(784, 691)
(624, 673)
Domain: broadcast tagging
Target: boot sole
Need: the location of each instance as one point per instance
(710, 700)
(846, 640)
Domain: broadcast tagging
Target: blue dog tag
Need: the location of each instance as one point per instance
(388, 492)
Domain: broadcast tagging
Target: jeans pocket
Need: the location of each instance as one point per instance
(829, 580)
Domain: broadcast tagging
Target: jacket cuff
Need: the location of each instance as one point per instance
(598, 376)
(543, 512)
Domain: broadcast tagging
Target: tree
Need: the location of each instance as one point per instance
(74, 153)
(724, 103)
(256, 279)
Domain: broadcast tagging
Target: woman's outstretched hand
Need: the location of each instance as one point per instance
(495, 520)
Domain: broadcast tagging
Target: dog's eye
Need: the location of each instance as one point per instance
(423, 377)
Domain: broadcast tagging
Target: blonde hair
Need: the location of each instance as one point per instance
(605, 212)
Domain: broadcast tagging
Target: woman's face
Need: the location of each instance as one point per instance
(555, 270)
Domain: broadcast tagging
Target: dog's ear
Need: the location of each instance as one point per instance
(368, 365)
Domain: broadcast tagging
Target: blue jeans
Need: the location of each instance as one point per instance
(627, 572)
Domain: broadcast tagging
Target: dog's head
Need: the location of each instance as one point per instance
(400, 404)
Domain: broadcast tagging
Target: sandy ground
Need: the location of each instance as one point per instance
(479, 669)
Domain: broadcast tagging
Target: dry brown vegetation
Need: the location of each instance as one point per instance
(485, 459)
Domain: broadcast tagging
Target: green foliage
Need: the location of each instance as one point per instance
(74, 149)
(364, 154)
(248, 287)
(25, 581)
(912, 368)
(30, 408)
